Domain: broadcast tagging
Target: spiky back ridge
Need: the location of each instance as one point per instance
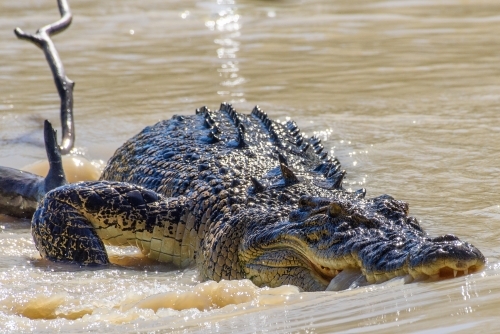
(248, 159)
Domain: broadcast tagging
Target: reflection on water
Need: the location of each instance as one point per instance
(405, 94)
(229, 27)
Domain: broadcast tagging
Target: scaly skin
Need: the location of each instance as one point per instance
(241, 196)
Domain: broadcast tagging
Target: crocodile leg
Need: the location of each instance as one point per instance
(73, 223)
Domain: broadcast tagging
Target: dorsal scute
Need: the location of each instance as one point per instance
(257, 186)
(240, 139)
(282, 159)
(288, 175)
(202, 110)
(291, 125)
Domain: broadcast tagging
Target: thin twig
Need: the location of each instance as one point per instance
(63, 84)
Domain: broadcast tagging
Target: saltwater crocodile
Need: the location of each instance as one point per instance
(237, 196)
(241, 196)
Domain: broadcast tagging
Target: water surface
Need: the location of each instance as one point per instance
(405, 93)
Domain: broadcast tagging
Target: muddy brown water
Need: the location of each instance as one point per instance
(405, 93)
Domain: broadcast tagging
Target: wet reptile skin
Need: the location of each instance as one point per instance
(241, 196)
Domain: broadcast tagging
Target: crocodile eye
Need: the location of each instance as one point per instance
(334, 209)
(305, 202)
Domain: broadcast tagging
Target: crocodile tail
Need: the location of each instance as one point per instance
(55, 177)
(20, 191)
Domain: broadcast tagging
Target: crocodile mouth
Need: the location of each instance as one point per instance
(341, 279)
(325, 273)
(342, 275)
(293, 260)
(448, 272)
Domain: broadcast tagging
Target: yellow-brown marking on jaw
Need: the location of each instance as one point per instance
(444, 272)
(325, 273)
(450, 271)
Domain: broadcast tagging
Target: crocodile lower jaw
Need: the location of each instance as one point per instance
(447, 271)
(350, 277)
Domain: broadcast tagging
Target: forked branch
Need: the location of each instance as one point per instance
(64, 85)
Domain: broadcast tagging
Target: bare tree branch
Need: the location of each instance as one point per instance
(63, 84)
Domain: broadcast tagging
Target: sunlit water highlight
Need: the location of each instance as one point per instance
(404, 93)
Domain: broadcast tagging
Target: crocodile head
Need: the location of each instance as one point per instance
(323, 237)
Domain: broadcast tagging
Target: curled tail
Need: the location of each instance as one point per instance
(20, 191)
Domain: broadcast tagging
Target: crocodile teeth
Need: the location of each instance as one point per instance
(455, 273)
